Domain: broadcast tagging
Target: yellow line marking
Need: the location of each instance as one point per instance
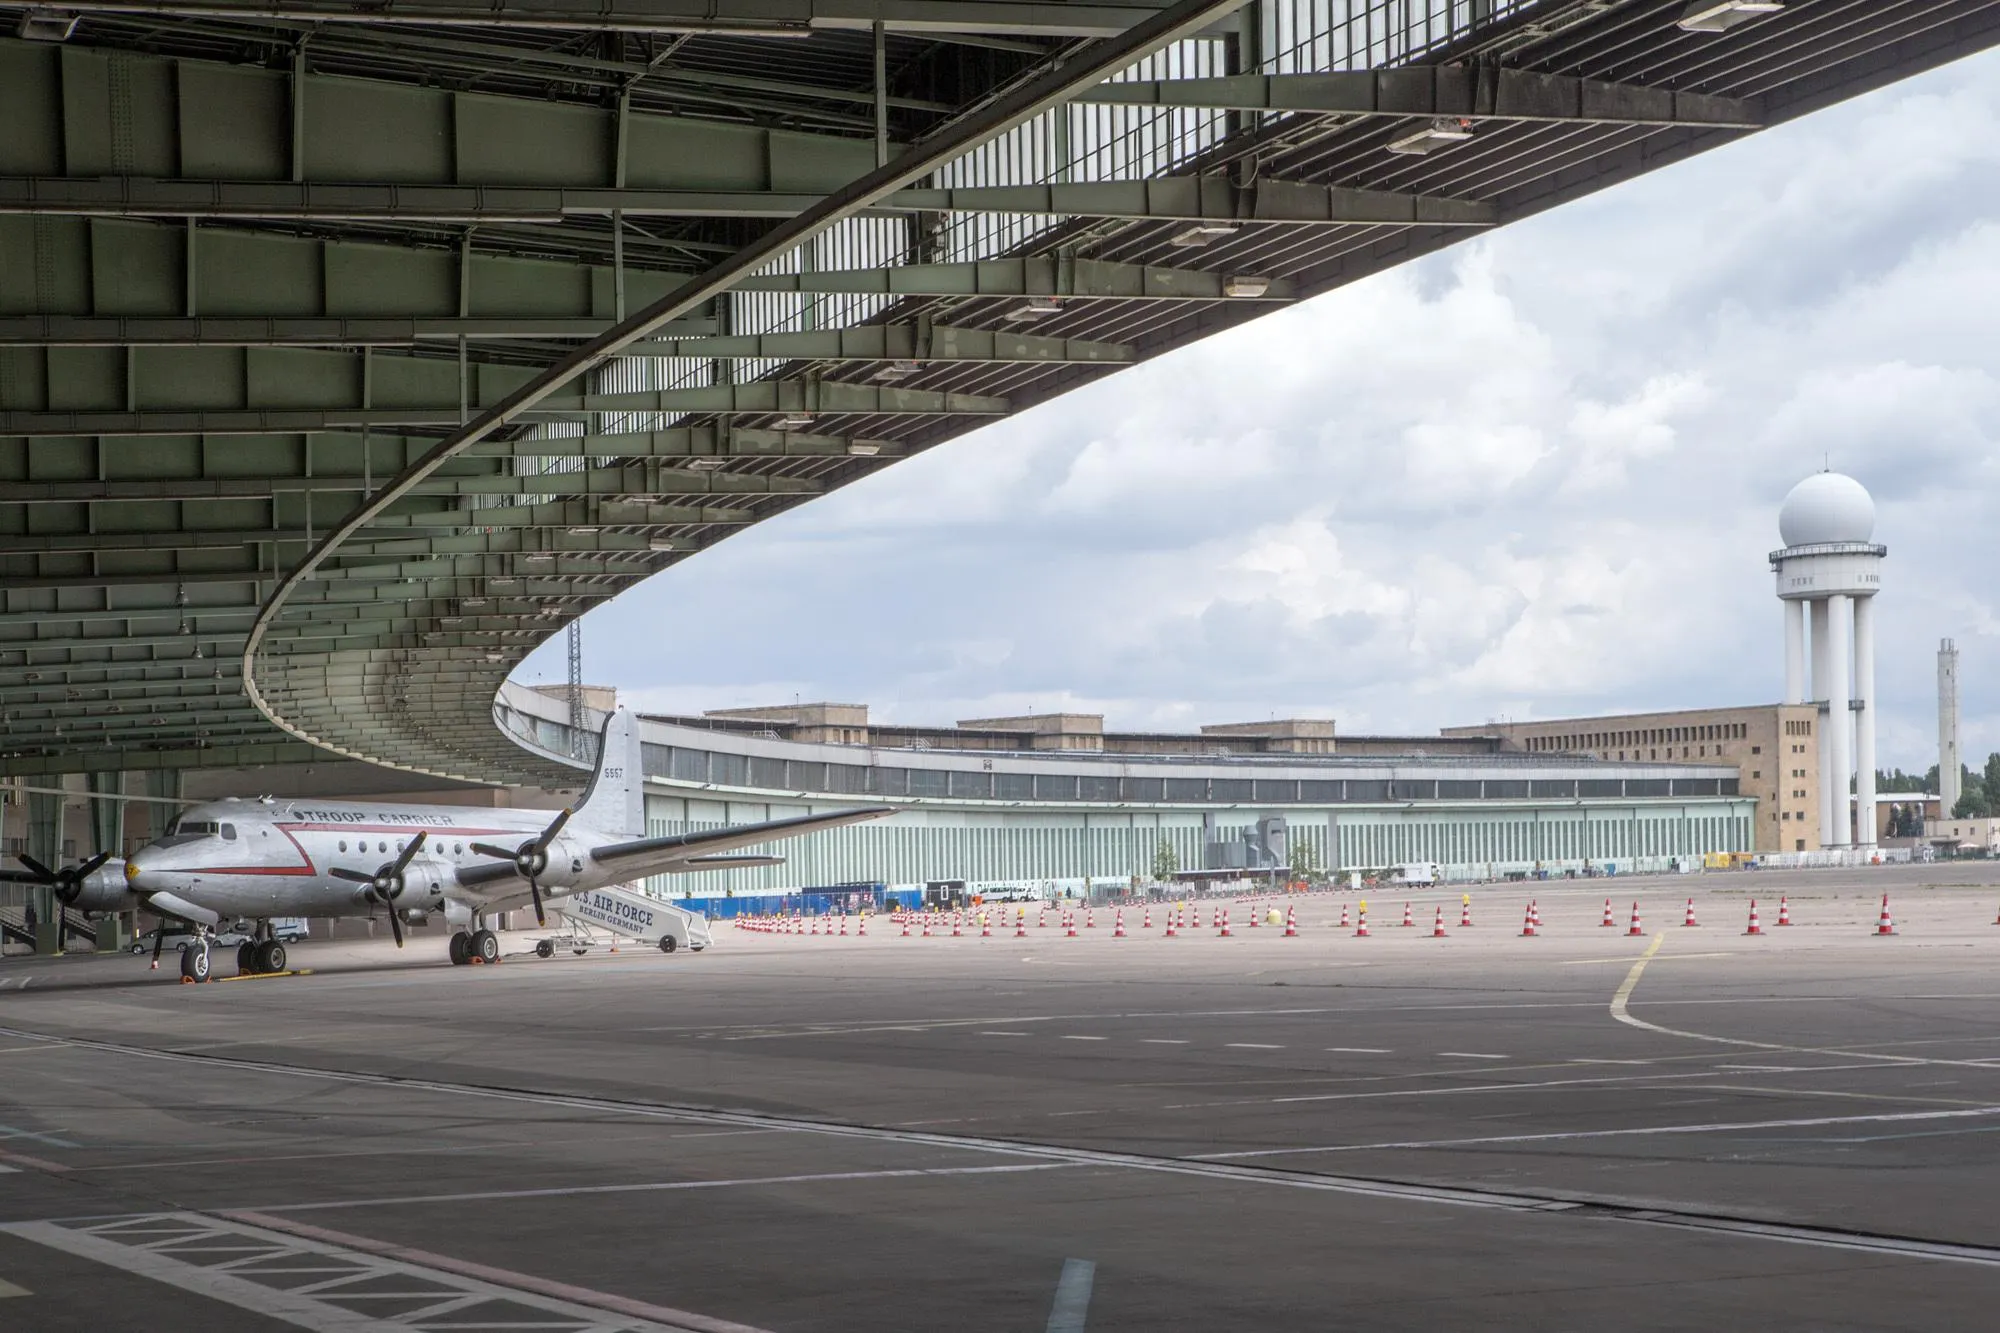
(1631, 982)
(9, 1289)
(265, 976)
(1677, 958)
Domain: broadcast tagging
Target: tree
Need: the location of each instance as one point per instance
(1304, 858)
(1166, 861)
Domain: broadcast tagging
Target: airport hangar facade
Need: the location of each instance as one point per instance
(346, 355)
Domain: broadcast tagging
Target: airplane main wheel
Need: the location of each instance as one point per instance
(668, 944)
(486, 946)
(246, 957)
(195, 962)
(545, 949)
(270, 956)
(461, 948)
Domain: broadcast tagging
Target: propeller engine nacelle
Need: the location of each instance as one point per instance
(104, 890)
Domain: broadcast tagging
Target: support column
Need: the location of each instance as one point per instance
(1864, 722)
(1822, 670)
(1840, 719)
(1795, 652)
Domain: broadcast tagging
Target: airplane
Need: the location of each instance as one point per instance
(255, 860)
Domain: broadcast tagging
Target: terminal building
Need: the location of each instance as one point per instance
(1008, 799)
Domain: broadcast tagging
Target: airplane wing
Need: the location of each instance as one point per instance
(682, 852)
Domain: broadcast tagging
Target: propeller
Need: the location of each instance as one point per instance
(67, 882)
(530, 859)
(386, 884)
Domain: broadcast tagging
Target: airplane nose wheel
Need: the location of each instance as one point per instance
(195, 961)
(461, 948)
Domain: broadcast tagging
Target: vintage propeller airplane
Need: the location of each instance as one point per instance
(261, 859)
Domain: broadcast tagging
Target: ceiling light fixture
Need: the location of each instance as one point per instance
(899, 370)
(863, 448)
(47, 25)
(1440, 132)
(1204, 233)
(1245, 285)
(1722, 15)
(795, 421)
(706, 464)
(1035, 307)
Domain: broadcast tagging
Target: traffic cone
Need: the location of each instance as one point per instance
(1689, 920)
(1437, 926)
(1887, 924)
(843, 923)
(1465, 912)
(1784, 910)
(1636, 928)
(1535, 911)
(957, 924)
(1361, 925)
(1222, 921)
(985, 926)
(1291, 923)
(1069, 924)
(927, 925)
(1344, 922)
(1528, 922)
(1118, 924)
(861, 926)
(906, 927)
(1090, 918)
(1042, 919)
(1148, 923)
(1607, 921)
(1253, 915)
(815, 926)
(1197, 916)
(1171, 932)
(1755, 929)
(1406, 915)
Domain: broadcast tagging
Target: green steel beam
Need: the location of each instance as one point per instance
(1475, 92)
(650, 478)
(1036, 275)
(297, 331)
(916, 341)
(1170, 198)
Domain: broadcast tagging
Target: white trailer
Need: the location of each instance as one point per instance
(622, 912)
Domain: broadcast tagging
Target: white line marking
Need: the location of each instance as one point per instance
(1815, 1122)
(1252, 1046)
(1469, 1055)
(650, 1187)
(8, 1289)
(1073, 1037)
(1072, 1301)
(1006, 1034)
(10, 1170)
(1362, 1050)
(1163, 1041)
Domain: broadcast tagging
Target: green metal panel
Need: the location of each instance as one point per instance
(185, 377)
(240, 272)
(235, 123)
(30, 109)
(83, 377)
(511, 141)
(135, 269)
(383, 279)
(362, 129)
(295, 377)
(529, 287)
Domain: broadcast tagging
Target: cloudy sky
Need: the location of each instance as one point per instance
(1535, 476)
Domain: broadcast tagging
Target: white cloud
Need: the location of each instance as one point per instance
(1531, 476)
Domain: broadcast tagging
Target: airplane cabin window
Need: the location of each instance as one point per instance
(381, 846)
(229, 832)
(343, 844)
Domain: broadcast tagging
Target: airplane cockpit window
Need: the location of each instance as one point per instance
(193, 830)
(229, 832)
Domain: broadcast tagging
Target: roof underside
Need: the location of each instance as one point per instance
(361, 352)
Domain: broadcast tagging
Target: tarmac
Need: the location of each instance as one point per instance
(1586, 1129)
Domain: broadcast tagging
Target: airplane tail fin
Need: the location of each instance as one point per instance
(615, 801)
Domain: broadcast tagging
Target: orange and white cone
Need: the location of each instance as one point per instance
(1069, 924)
(1254, 913)
(861, 925)
(1021, 926)
(957, 924)
(1437, 926)
(1090, 918)
(1171, 932)
(1118, 925)
(1222, 925)
(1689, 920)
(985, 926)
(906, 927)
(1784, 910)
(1406, 915)
(1345, 922)
(1147, 924)
(1361, 925)
(1755, 928)
(1465, 912)
(927, 925)
(1528, 922)
(1535, 911)
(1607, 921)
(1042, 919)
(843, 923)
(815, 927)
(1886, 925)
(1197, 916)
(1636, 928)
(1292, 923)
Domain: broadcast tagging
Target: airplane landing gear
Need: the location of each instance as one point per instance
(270, 957)
(460, 948)
(485, 946)
(195, 960)
(246, 957)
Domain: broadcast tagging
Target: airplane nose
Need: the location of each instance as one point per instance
(144, 876)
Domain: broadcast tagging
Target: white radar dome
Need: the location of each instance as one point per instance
(1827, 507)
